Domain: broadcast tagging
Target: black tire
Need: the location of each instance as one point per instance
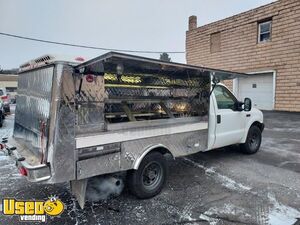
(253, 141)
(148, 180)
(7, 109)
(1, 120)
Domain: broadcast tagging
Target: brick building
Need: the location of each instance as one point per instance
(9, 82)
(264, 42)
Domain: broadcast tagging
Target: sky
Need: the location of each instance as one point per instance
(156, 25)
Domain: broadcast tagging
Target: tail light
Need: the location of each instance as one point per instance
(23, 171)
(89, 78)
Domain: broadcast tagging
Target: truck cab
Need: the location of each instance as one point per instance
(230, 121)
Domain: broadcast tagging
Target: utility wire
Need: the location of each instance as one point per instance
(85, 46)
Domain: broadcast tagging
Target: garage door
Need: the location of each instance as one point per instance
(259, 87)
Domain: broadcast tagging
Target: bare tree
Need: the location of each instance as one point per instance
(165, 57)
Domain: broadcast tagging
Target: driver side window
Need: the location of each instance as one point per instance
(225, 100)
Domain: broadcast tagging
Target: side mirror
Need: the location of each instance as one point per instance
(247, 104)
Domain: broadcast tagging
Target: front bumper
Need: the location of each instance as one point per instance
(35, 173)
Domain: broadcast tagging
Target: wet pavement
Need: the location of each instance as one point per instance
(218, 187)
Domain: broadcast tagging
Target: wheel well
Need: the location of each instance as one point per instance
(160, 149)
(259, 125)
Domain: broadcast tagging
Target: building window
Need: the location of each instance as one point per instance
(215, 42)
(264, 31)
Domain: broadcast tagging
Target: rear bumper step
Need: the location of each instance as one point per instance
(36, 173)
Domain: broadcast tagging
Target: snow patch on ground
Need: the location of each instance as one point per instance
(186, 214)
(3, 157)
(212, 221)
(225, 181)
(278, 214)
(228, 209)
(281, 214)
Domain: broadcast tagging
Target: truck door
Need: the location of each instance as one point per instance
(230, 123)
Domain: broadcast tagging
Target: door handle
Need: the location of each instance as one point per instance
(248, 115)
(218, 119)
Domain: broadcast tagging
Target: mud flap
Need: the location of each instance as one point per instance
(78, 189)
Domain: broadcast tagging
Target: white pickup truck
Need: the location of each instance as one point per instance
(232, 122)
(120, 113)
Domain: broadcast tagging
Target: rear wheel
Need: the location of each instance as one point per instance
(253, 141)
(149, 179)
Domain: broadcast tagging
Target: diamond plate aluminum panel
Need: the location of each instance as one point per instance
(89, 101)
(33, 108)
(178, 144)
(61, 151)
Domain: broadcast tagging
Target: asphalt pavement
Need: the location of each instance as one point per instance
(218, 187)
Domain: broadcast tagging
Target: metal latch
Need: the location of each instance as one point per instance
(218, 119)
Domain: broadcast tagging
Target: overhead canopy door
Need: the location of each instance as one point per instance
(258, 87)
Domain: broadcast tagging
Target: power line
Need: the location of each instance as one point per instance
(85, 46)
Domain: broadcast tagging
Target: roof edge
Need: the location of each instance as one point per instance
(235, 15)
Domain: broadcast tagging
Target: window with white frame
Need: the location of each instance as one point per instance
(264, 31)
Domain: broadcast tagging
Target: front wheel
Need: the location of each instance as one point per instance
(149, 179)
(253, 141)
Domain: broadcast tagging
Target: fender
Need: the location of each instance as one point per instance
(148, 149)
(255, 117)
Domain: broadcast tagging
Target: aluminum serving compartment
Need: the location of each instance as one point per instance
(103, 116)
(41, 133)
